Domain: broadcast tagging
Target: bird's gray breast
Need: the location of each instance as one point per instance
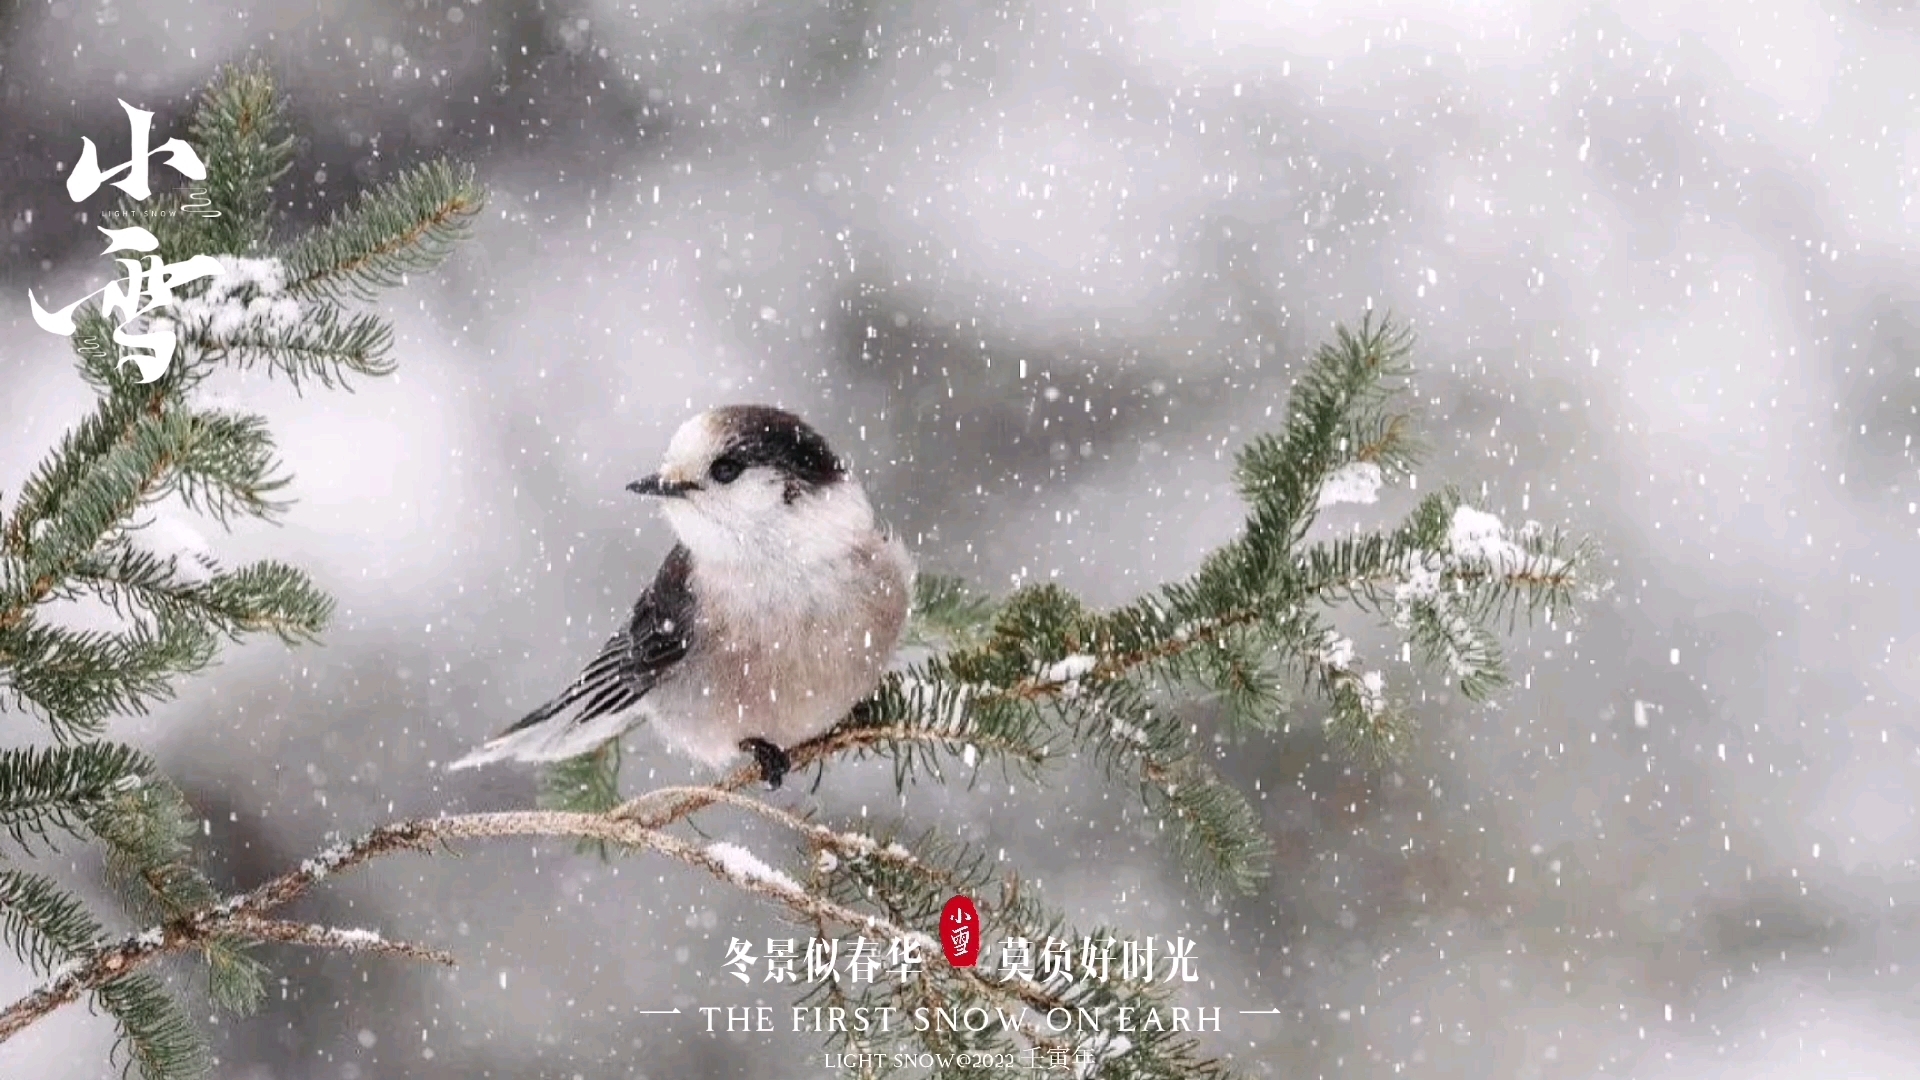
(784, 656)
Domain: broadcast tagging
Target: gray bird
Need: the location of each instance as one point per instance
(774, 615)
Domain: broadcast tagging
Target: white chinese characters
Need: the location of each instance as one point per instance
(86, 177)
(145, 290)
(147, 287)
(1054, 962)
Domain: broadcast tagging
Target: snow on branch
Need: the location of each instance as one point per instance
(1359, 482)
(639, 824)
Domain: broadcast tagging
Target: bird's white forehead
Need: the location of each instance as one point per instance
(697, 441)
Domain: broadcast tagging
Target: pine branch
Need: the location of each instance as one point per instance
(73, 534)
(1336, 416)
(405, 226)
(326, 343)
(103, 470)
(235, 980)
(129, 454)
(78, 680)
(156, 1036)
(1218, 836)
(45, 925)
(61, 787)
(242, 131)
(587, 784)
(946, 612)
(1359, 712)
(108, 967)
(223, 464)
(147, 833)
(99, 360)
(265, 596)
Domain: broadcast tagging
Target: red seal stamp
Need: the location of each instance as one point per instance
(960, 932)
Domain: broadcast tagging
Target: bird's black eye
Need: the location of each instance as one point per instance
(725, 470)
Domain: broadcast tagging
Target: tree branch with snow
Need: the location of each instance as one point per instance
(639, 825)
(104, 519)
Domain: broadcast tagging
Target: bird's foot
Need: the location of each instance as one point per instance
(772, 760)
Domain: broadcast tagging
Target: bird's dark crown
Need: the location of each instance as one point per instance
(764, 435)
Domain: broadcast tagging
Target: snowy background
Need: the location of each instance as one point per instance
(1038, 268)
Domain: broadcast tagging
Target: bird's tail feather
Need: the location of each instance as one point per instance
(598, 706)
(522, 744)
(548, 734)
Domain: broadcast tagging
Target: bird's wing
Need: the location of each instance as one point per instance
(593, 708)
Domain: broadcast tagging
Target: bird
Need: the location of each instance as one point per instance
(775, 613)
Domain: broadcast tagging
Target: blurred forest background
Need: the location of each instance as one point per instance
(1038, 268)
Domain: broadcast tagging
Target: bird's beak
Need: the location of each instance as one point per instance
(661, 488)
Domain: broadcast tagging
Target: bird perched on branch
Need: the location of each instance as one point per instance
(774, 615)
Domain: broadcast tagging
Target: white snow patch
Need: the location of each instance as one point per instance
(1356, 483)
(247, 292)
(326, 861)
(1066, 674)
(169, 537)
(1336, 651)
(953, 717)
(353, 936)
(744, 866)
(1373, 693)
(1070, 669)
(1476, 534)
(1458, 629)
(858, 843)
(1422, 585)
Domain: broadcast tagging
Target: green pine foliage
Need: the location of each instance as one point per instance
(588, 784)
(1037, 679)
(75, 531)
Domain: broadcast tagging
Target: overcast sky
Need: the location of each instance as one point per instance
(1038, 269)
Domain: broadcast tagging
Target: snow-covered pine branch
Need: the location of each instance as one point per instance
(103, 518)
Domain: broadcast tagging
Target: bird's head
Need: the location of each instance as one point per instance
(747, 481)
